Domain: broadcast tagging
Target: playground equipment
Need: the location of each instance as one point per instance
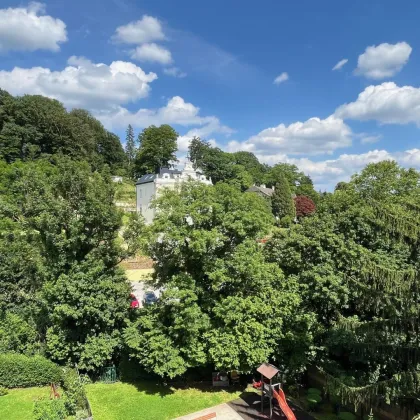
(268, 389)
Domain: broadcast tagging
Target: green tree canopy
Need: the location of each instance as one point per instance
(60, 221)
(32, 126)
(157, 148)
(222, 302)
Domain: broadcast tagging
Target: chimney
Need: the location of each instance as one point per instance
(262, 185)
(273, 187)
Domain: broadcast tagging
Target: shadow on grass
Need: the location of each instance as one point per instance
(153, 387)
(248, 406)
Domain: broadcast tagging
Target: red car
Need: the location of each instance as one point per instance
(134, 303)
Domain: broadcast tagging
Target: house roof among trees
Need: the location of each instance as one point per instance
(263, 190)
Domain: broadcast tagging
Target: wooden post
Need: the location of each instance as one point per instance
(262, 394)
(271, 399)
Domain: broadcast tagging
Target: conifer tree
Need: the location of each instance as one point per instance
(130, 148)
(281, 201)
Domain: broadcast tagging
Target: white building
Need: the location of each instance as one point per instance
(148, 186)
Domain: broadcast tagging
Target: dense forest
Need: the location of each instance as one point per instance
(304, 279)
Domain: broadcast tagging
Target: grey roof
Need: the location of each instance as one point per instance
(146, 178)
(151, 177)
(266, 191)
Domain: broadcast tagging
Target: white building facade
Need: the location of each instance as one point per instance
(149, 186)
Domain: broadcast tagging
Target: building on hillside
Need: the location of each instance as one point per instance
(261, 190)
(149, 185)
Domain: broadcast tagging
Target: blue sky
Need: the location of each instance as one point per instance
(246, 75)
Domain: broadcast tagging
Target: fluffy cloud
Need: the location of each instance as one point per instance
(312, 137)
(384, 60)
(176, 111)
(82, 83)
(152, 53)
(340, 64)
(147, 29)
(29, 29)
(386, 103)
(175, 72)
(327, 173)
(281, 78)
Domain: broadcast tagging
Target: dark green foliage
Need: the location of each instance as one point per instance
(130, 149)
(20, 371)
(17, 335)
(49, 409)
(356, 262)
(33, 126)
(222, 302)
(157, 148)
(74, 392)
(3, 391)
(70, 289)
(282, 201)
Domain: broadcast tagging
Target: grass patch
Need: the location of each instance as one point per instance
(18, 404)
(145, 400)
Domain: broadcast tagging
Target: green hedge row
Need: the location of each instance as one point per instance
(19, 371)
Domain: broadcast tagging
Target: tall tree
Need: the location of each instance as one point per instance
(130, 148)
(61, 222)
(282, 201)
(157, 148)
(222, 304)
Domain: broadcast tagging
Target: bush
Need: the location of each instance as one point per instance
(20, 371)
(49, 410)
(314, 391)
(346, 415)
(74, 392)
(3, 391)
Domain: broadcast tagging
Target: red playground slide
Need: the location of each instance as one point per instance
(281, 399)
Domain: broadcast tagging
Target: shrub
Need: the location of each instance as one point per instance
(74, 392)
(3, 391)
(49, 410)
(346, 415)
(19, 371)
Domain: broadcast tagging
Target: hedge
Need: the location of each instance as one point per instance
(19, 371)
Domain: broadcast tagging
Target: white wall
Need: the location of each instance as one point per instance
(145, 194)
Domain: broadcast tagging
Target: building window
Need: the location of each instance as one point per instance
(140, 193)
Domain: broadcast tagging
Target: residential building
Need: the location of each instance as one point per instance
(261, 190)
(149, 186)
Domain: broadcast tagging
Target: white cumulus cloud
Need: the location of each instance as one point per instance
(327, 173)
(176, 111)
(312, 137)
(82, 83)
(281, 78)
(340, 64)
(386, 103)
(147, 29)
(152, 53)
(29, 29)
(384, 60)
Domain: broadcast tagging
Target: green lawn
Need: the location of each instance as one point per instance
(148, 401)
(18, 404)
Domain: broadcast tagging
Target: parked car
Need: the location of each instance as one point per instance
(134, 303)
(149, 298)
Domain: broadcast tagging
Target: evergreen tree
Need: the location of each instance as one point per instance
(130, 146)
(281, 201)
(157, 148)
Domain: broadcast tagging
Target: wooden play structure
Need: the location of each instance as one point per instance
(268, 390)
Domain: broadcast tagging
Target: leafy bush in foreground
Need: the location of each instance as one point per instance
(18, 370)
